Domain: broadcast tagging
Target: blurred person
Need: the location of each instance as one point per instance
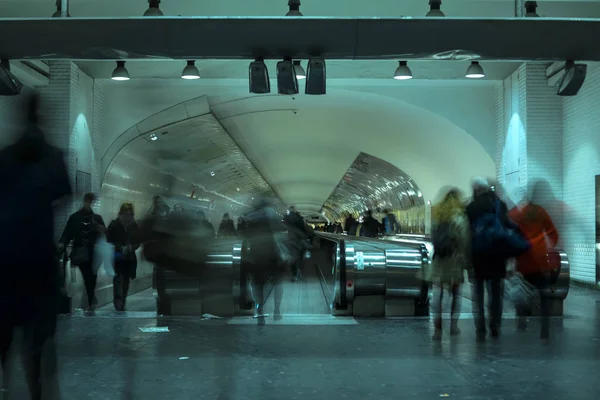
(487, 267)
(34, 178)
(338, 228)
(124, 234)
(265, 258)
(350, 225)
(537, 226)
(451, 241)
(370, 226)
(226, 228)
(241, 226)
(300, 238)
(159, 209)
(83, 228)
(390, 223)
(208, 229)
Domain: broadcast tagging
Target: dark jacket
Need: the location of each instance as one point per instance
(81, 229)
(121, 237)
(488, 266)
(34, 177)
(350, 226)
(227, 228)
(370, 228)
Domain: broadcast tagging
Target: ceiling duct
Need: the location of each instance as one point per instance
(9, 84)
(153, 9)
(294, 9)
(60, 6)
(316, 77)
(287, 82)
(354, 38)
(259, 77)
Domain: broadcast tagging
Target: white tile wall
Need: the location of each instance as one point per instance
(544, 142)
(56, 101)
(581, 162)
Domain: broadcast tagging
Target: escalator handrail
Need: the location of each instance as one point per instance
(341, 242)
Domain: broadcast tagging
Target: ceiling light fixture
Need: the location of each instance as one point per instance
(531, 9)
(59, 8)
(475, 71)
(294, 9)
(212, 173)
(300, 73)
(153, 9)
(259, 77)
(153, 137)
(120, 73)
(403, 72)
(287, 83)
(435, 9)
(316, 77)
(190, 71)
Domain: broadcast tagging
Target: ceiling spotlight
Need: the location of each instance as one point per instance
(212, 173)
(474, 71)
(153, 9)
(316, 77)
(190, 71)
(403, 72)
(238, 189)
(434, 9)
(531, 9)
(259, 77)
(153, 137)
(287, 83)
(58, 12)
(120, 73)
(294, 9)
(300, 73)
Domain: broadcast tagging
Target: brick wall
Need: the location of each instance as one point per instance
(581, 163)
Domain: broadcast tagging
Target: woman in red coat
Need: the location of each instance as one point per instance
(537, 226)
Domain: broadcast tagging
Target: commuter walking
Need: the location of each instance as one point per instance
(227, 228)
(451, 241)
(537, 226)
(83, 228)
(124, 234)
(34, 177)
(487, 212)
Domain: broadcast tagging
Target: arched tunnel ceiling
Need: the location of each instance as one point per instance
(372, 183)
(194, 159)
(303, 145)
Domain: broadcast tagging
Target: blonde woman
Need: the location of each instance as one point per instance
(450, 236)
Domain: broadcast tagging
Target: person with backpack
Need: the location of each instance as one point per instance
(494, 240)
(450, 237)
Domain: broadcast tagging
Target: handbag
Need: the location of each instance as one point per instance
(80, 255)
(517, 290)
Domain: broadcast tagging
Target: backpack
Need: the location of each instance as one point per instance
(444, 244)
(492, 237)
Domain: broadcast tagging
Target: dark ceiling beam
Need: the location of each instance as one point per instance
(187, 38)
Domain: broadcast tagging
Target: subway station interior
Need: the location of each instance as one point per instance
(330, 111)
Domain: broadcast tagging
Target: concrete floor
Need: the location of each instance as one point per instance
(114, 356)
